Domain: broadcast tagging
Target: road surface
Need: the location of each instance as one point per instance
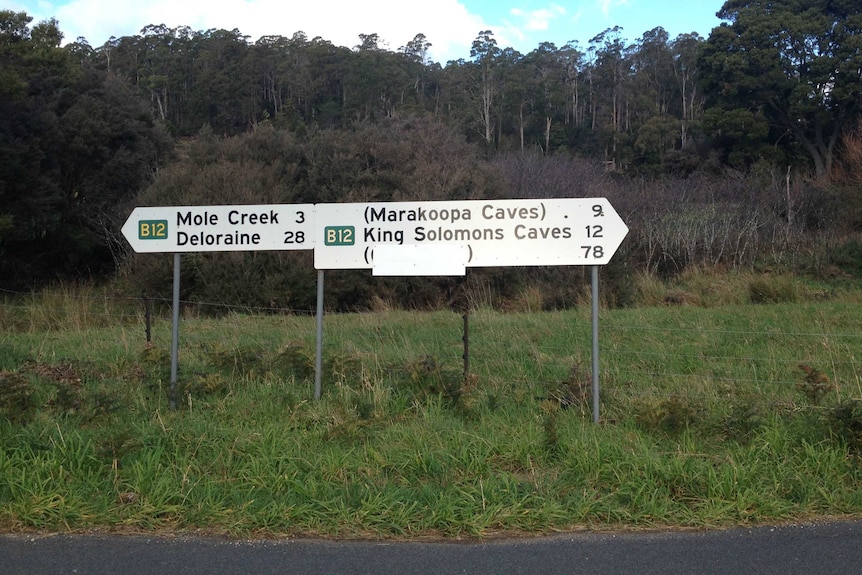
(804, 548)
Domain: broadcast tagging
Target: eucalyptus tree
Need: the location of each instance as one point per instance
(377, 80)
(486, 85)
(790, 67)
(224, 94)
(654, 104)
(14, 28)
(513, 105)
(685, 49)
(454, 102)
(364, 79)
(652, 69)
(572, 58)
(269, 52)
(311, 75)
(609, 74)
(549, 67)
(81, 52)
(422, 74)
(517, 95)
(327, 70)
(157, 62)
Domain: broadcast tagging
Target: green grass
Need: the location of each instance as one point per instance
(705, 422)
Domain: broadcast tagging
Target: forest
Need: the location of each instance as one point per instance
(742, 150)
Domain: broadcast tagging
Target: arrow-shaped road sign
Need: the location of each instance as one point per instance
(546, 232)
(471, 233)
(221, 228)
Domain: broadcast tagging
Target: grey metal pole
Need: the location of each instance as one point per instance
(318, 359)
(175, 332)
(595, 321)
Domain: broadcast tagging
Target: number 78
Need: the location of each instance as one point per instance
(595, 252)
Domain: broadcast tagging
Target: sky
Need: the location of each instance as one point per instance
(449, 25)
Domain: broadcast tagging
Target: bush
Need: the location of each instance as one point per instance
(848, 256)
(773, 289)
(17, 402)
(672, 415)
(295, 360)
(398, 160)
(429, 378)
(845, 422)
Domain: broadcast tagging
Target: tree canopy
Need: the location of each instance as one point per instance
(84, 130)
(787, 71)
(76, 143)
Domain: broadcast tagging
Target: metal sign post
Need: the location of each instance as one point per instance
(175, 333)
(318, 355)
(594, 272)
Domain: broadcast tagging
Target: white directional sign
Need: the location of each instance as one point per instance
(547, 232)
(221, 228)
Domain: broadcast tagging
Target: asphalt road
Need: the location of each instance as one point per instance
(804, 548)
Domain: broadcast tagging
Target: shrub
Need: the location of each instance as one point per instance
(237, 361)
(672, 415)
(815, 386)
(848, 256)
(772, 289)
(742, 422)
(845, 422)
(574, 391)
(429, 378)
(17, 403)
(342, 367)
(294, 360)
(205, 384)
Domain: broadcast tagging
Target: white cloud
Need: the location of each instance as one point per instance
(446, 24)
(577, 16)
(607, 6)
(538, 20)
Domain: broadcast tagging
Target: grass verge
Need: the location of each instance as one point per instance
(708, 419)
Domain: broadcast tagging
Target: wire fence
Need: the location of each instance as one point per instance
(191, 306)
(640, 359)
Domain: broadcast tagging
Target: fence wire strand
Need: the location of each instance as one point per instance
(621, 368)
